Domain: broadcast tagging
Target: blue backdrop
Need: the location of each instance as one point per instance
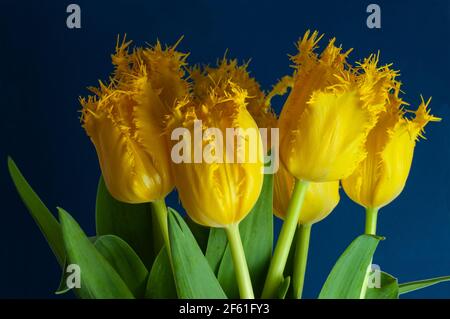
(45, 67)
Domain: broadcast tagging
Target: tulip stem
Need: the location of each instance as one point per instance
(370, 229)
(160, 212)
(371, 221)
(300, 259)
(239, 261)
(275, 274)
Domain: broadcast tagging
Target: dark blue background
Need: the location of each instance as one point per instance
(45, 67)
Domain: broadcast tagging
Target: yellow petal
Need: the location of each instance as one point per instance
(330, 111)
(218, 194)
(328, 142)
(133, 156)
(227, 73)
(381, 177)
(125, 121)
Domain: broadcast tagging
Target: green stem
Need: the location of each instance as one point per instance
(370, 229)
(300, 259)
(371, 221)
(240, 264)
(281, 253)
(160, 212)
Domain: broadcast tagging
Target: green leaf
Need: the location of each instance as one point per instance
(81, 293)
(201, 233)
(63, 288)
(217, 243)
(420, 284)
(131, 222)
(160, 284)
(125, 261)
(47, 223)
(346, 279)
(194, 278)
(284, 288)
(388, 288)
(257, 239)
(98, 277)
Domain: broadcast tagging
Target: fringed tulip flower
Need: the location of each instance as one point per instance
(219, 175)
(330, 111)
(124, 121)
(323, 129)
(381, 177)
(215, 188)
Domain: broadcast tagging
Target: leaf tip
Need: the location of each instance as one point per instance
(63, 215)
(11, 164)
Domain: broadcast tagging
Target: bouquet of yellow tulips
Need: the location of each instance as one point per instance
(210, 132)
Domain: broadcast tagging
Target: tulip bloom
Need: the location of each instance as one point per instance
(124, 121)
(330, 111)
(221, 188)
(218, 191)
(324, 126)
(381, 177)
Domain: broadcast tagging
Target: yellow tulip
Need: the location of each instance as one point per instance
(320, 198)
(124, 121)
(219, 192)
(381, 177)
(330, 111)
(323, 126)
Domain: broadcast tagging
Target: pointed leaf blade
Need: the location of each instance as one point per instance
(193, 276)
(420, 284)
(125, 261)
(388, 288)
(98, 277)
(160, 284)
(47, 223)
(346, 279)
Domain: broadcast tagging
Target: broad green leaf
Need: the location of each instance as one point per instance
(131, 222)
(346, 279)
(81, 293)
(388, 288)
(98, 277)
(63, 288)
(217, 243)
(160, 284)
(193, 276)
(420, 284)
(257, 239)
(47, 223)
(201, 233)
(125, 262)
(284, 288)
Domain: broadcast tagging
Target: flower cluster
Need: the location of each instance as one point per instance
(341, 123)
